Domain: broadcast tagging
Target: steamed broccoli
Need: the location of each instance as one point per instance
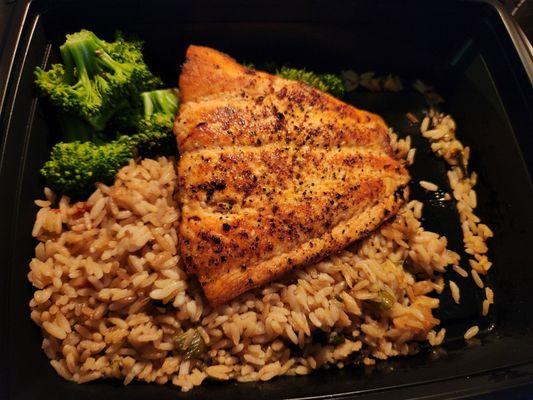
(75, 167)
(97, 78)
(330, 83)
(326, 82)
(333, 84)
(154, 128)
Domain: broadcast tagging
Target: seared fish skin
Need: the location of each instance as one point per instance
(273, 174)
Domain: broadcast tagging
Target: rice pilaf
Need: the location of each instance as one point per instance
(113, 299)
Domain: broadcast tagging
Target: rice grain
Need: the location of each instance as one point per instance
(460, 271)
(471, 332)
(477, 279)
(428, 186)
(456, 294)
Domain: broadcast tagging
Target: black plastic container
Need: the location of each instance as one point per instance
(470, 51)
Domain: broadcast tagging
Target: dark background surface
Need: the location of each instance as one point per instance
(521, 10)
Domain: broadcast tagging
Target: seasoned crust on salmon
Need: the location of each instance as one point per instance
(273, 174)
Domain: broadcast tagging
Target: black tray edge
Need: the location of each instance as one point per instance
(12, 38)
(521, 43)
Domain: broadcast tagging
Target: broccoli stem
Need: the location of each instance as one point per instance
(75, 129)
(68, 63)
(160, 101)
(78, 55)
(79, 49)
(105, 61)
(148, 104)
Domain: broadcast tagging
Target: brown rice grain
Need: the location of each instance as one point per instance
(489, 294)
(471, 332)
(428, 186)
(477, 279)
(485, 307)
(460, 271)
(456, 294)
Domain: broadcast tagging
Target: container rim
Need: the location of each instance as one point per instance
(520, 41)
(15, 28)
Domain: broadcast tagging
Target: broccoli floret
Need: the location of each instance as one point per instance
(154, 124)
(334, 84)
(157, 138)
(249, 65)
(326, 82)
(97, 78)
(75, 167)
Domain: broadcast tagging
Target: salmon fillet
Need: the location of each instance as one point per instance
(273, 174)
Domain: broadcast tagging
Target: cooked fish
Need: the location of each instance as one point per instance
(273, 174)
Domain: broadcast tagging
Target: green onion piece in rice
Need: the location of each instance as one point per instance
(336, 338)
(182, 340)
(385, 300)
(191, 343)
